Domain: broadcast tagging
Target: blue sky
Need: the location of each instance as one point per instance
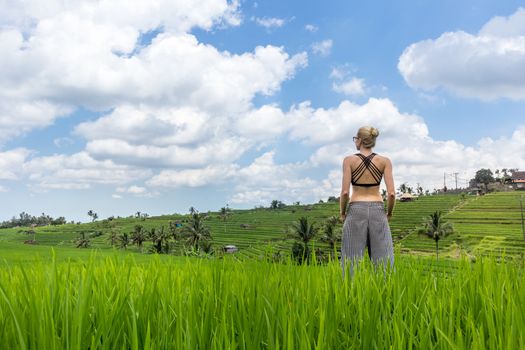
(122, 107)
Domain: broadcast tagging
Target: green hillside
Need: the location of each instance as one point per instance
(484, 225)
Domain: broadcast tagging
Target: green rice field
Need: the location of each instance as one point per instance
(115, 302)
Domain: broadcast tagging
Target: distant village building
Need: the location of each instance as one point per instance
(230, 248)
(518, 180)
(407, 197)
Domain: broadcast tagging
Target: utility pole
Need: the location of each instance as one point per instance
(456, 177)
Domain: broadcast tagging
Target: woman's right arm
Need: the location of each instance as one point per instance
(390, 189)
(345, 188)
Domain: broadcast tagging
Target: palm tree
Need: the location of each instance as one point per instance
(160, 240)
(436, 228)
(330, 234)
(195, 230)
(113, 236)
(124, 240)
(138, 237)
(224, 214)
(304, 232)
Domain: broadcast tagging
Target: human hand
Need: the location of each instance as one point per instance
(388, 217)
(342, 217)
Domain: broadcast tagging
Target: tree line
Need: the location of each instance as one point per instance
(25, 219)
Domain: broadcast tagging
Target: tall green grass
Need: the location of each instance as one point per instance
(118, 303)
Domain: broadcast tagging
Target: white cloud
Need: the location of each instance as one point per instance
(417, 157)
(487, 65)
(311, 28)
(263, 124)
(3, 189)
(137, 191)
(511, 26)
(174, 15)
(46, 68)
(63, 142)
(352, 87)
(11, 163)
(212, 174)
(323, 48)
(78, 171)
(270, 22)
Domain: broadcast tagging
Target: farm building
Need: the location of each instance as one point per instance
(407, 197)
(230, 248)
(518, 179)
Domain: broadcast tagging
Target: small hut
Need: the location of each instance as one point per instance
(407, 197)
(230, 248)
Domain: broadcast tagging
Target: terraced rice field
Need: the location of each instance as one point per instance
(490, 224)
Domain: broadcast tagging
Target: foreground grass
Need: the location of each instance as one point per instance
(117, 302)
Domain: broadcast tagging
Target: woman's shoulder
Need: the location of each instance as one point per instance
(382, 158)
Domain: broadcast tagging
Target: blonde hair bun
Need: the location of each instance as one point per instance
(368, 135)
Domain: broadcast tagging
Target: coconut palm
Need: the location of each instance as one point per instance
(160, 240)
(224, 213)
(195, 230)
(330, 235)
(303, 232)
(436, 228)
(124, 240)
(138, 237)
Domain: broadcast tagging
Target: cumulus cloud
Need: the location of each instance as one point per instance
(322, 48)
(271, 181)
(269, 22)
(311, 28)
(212, 174)
(417, 157)
(137, 191)
(351, 87)
(11, 163)
(48, 52)
(78, 171)
(487, 65)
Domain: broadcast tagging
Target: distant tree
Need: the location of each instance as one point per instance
(82, 241)
(195, 230)
(138, 237)
(332, 199)
(304, 232)
(93, 215)
(297, 203)
(124, 240)
(113, 236)
(436, 228)
(419, 190)
(192, 210)
(224, 214)
(484, 176)
(403, 188)
(160, 240)
(330, 235)
(277, 204)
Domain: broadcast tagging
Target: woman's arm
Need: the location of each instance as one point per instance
(390, 189)
(345, 189)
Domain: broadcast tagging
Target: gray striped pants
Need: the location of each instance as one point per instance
(366, 226)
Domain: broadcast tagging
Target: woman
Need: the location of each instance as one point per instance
(364, 217)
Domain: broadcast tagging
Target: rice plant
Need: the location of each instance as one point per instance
(186, 303)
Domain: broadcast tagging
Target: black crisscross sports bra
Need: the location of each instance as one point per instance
(366, 164)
